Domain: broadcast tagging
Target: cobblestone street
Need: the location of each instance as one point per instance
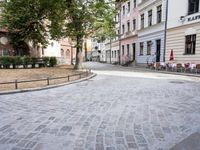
(119, 109)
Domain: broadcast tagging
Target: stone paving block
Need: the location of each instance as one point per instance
(119, 109)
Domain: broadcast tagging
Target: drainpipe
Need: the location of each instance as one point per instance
(120, 33)
(165, 35)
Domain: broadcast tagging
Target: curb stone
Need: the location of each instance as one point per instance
(47, 87)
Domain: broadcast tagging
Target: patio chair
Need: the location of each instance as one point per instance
(179, 67)
(187, 67)
(157, 66)
(168, 67)
(198, 68)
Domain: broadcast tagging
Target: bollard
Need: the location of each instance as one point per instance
(68, 78)
(80, 76)
(16, 86)
(47, 81)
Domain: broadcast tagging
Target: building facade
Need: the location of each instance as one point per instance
(128, 31)
(183, 31)
(151, 31)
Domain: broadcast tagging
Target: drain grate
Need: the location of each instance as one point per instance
(177, 82)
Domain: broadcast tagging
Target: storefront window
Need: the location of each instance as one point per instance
(190, 44)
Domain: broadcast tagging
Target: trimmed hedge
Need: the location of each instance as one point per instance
(15, 61)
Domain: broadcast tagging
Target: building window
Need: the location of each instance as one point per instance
(123, 10)
(42, 51)
(134, 24)
(149, 43)
(141, 48)
(122, 50)
(150, 18)
(129, 7)
(134, 3)
(193, 6)
(159, 14)
(62, 52)
(128, 50)
(128, 26)
(190, 44)
(142, 21)
(123, 29)
(4, 52)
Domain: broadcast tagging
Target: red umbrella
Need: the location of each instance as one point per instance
(171, 56)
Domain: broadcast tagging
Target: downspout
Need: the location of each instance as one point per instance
(165, 35)
(119, 34)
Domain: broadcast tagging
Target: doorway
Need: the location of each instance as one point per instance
(133, 51)
(158, 46)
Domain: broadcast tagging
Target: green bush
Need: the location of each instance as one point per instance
(34, 61)
(18, 60)
(46, 61)
(53, 61)
(6, 62)
(15, 61)
(26, 61)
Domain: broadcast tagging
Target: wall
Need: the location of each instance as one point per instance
(151, 33)
(178, 28)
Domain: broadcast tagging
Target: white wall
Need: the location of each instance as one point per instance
(152, 33)
(176, 9)
(53, 49)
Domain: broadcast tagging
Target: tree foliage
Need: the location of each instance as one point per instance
(39, 20)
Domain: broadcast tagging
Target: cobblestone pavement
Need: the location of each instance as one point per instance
(117, 110)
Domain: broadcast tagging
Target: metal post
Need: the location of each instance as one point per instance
(110, 50)
(165, 35)
(16, 86)
(47, 81)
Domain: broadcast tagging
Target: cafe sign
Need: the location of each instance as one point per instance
(193, 18)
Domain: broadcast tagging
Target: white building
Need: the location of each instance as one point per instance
(151, 31)
(183, 31)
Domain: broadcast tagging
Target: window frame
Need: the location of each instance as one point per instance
(128, 49)
(134, 24)
(192, 49)
(193, 9)
(142, 21)
(141, 50)
(150, 18)
(159, 14)
(128, 7)
(149, 47)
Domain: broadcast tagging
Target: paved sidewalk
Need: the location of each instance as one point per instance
(116, 110)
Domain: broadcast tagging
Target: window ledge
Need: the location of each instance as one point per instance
(187, 54)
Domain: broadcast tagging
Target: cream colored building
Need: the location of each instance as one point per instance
(183, 31)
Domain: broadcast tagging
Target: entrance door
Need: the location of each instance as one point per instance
(133, 51)
(158, 46)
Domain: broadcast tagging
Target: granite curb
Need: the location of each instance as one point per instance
(47, 87)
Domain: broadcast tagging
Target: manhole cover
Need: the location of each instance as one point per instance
(177, 82)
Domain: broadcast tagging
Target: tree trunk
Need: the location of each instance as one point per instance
(79, 58)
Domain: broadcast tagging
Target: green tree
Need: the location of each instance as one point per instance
(39, 20)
